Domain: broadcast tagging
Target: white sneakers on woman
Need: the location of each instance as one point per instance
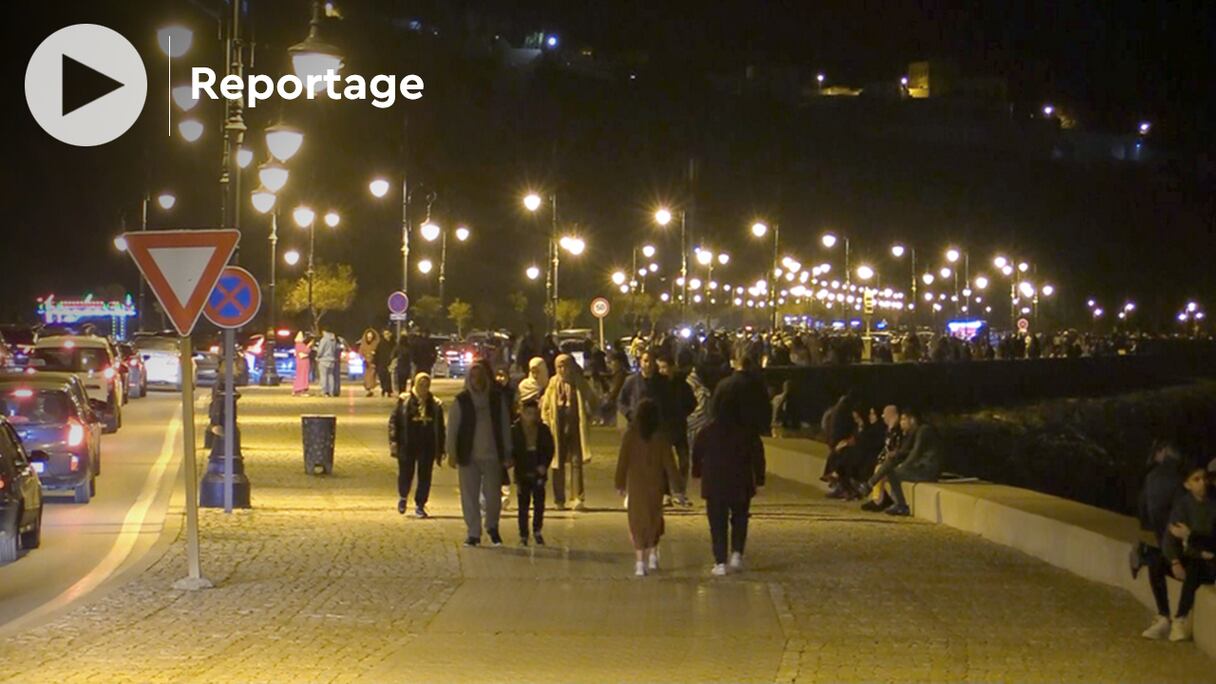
(639, 569)
(719, 570)
(736, 561)
(654, 559)
(1180, 629)
(1160, 628)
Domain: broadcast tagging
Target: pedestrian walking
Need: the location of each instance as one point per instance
(478, 440)
(567, 409)
(299, 386)
(532, 450)
(383, 360)
(327, 356)
(644, 461)
(534, 385)
(401, 364)
(367, 349)
(728, 458)
(417, 439)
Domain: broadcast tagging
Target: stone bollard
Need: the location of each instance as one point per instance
(319, 433)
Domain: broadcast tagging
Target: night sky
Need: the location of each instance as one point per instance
(612, 149)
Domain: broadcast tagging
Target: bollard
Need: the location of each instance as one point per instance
(319, 433)
(211, 487)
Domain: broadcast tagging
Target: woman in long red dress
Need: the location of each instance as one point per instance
(303, 366)
(646, 456)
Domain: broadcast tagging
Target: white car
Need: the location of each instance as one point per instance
(92, 360)
(162, 361)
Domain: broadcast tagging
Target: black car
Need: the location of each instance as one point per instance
(20, 497)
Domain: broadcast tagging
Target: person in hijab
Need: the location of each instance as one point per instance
(302, 351)
(367, 349)
(383, 359)
(479, 444)
(567, 409)
(644, 467)
(416, 438)
(533, 386)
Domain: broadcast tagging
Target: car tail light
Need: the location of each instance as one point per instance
(75, 464)
(215, 349)
(75, 434)
(3, 483)
(23, 393)
(109, 373)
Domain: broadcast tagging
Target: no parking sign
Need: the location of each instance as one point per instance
(235, 299)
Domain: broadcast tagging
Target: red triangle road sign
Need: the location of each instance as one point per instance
(182, 267)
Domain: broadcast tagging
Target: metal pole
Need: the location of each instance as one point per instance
(772, 296)
(557, 259)
(683, 262)
(270, 371)
(229, 425)
(405, 214)
(194, 578)
(312, 238)
(143, 291)
(443, 263)
(848, 271)
(914, 279)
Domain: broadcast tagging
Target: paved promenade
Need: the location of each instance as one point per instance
(322, 581)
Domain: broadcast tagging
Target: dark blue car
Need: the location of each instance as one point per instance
(59, 432)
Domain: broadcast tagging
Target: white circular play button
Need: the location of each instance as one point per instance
(85, 85)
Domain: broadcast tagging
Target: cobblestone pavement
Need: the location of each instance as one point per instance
(322, 581)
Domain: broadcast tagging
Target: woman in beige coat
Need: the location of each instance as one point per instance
(644, 467)
(567, 409)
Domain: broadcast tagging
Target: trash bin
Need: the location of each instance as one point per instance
(319, 434)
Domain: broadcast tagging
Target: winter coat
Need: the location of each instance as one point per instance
(528, 464)
(729, 460)
(586, 399)
(406, 421)
(1162, 485)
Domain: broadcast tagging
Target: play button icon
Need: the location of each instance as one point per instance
(85, 85)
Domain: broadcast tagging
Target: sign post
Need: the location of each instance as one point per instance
(867, 310)
(398, 304)
(600, 308)
(182, 267)
(232, 304)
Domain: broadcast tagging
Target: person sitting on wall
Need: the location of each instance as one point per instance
(879, 499)
(1188, 545)
(919, 459)
(1162, 485)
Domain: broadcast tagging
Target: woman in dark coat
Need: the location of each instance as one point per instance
(645, 460)
(416, 439)
(382, 358)
(729, 460)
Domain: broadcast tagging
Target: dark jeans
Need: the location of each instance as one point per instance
(1198, 571)
(1158, 570)
(386, 380)
(684, 464)
(721, 514)
(531, 492)
(899, 475)
(405, 476)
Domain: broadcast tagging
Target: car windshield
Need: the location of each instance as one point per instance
(73, 359)
(156, 343)
(40, 407)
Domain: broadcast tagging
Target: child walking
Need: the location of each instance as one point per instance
(532, 450)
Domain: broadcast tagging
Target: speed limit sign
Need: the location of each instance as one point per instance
(599, 307)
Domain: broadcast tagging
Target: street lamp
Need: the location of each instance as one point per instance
(378, 187)
(166, 200)
(120, 243)
(313, 56)
(432, 231)
(927, 278)
(981, 283)
(332, 219)
(264, 201)
(273, 176)
(425, 266)
(759, 230)
(648, 251)
(898, 251)
(183, 97)
(307, 218)
(532, 272)
(283, 141)
(190, 129)
(244, 157)
(174, 40)
(618, 278)
(532, 202)
(865, 272)
(462, 233)
(292, 257)
(829, 240)
(663, 216)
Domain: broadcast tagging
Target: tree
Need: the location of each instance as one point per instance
(333, 289)
(519, 302)
(460, 313)
(568, 312)
(428, 311)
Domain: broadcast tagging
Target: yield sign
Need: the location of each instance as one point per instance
(182, 267)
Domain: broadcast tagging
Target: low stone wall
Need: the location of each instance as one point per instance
(1087, 541)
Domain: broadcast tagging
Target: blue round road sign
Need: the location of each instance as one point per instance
(398, 302)
(235, 299)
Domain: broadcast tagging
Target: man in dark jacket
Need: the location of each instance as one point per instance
(647, 384)
(1162, 485)
(1192, 518)
(728, 457)
(744, 389)
(919, 459)
(382, 357)
(683, 403)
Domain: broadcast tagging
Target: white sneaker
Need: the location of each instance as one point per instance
(1160, 628)
(654, 560)
(639, 569)
(719, 570)
(1180, 629)
(736, 561)
(579, 505)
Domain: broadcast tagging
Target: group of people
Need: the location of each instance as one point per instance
(1177, 512)
(537, 431)
(325, 348)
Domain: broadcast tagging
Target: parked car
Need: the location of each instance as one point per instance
(18, 340)
(209, 364)
(89, 358)
(161, 357)
(50, 420)
(20, 497)
(137, 375)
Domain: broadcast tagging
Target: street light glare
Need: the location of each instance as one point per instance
(166, 200)
(662, 216)
(654, 268)
(183, 97)
(865, 272)
(532, 201)
(952, 255)
(828, 240)
(927, 278)
(1023, 267)
(945, 272)
(532, 272)
(981, 282)
(759, 229)
(1007, 270)
(574, 245)
(273, 176)
(244, 157)
(332, 219)
(897, 251)
(1000, 262)
(120, 243)
(430, 231)
(263, 200)
(618, 277)
(648, 251)
(283, 141)
(190, 129)
(1049, 290)
(303, 216)
(378, 187)
(462, 233)
(723, 258)
(705, 257)
(291, 257)
(425, 266)
(174, 40)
